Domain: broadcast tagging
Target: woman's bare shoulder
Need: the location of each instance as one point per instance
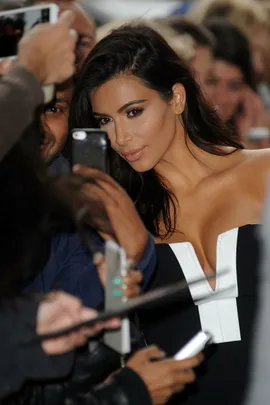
(254, 171)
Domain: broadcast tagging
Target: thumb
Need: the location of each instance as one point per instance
(87, 314)
(152, 352)
(5, 66)
(66, 19)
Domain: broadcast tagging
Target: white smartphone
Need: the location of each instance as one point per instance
(197, 344)
(14, 24)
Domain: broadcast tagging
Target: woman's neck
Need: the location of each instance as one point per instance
(185, 165)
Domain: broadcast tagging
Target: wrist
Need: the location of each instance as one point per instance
(141, 247)
(31, 67)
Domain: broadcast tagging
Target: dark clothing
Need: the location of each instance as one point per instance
(125, 388)
(20, 95)
(70, 268)
(223, 377)
(59, 166)
(20, 360)
(259, 390)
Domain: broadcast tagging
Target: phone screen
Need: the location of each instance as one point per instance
(15, 24)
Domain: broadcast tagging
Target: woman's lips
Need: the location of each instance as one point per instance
(133, 155)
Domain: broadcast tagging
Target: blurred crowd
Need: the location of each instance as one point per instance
(201, 73)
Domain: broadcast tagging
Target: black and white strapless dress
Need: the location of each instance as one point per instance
(223, 377)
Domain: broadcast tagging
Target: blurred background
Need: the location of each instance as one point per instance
(106, 10)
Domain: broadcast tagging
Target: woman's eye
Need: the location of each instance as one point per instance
(103, 120)
(134, 112)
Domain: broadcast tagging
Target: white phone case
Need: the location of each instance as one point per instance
(197, 344)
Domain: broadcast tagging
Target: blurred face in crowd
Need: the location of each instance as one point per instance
(224, 88)
(83, 24)
(260, 47)
(141, 125)
(55, 123)
(202, 64)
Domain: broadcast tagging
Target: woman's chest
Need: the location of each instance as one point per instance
(224, 311)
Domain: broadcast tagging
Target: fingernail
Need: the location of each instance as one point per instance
(98, 258)
(73, 33)
(124, 286)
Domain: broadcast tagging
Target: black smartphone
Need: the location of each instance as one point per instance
(90, 148)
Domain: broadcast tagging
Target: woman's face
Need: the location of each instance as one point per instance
(140, 124)
(225, 88)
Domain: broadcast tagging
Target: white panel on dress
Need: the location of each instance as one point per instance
(218, 312)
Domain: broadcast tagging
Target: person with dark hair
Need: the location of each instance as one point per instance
(231, 86)
(204, 40)
(197, 190)
(46, 206)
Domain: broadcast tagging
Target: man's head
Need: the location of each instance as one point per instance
(55, 122)
(83, 24)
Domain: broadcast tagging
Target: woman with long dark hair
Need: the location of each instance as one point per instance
(196, 189)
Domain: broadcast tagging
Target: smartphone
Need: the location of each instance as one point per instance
(115, 256)
(14, 24)
(196, 345)
(90, 148)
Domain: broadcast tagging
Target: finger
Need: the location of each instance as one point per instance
(98, 259)
(185, 377)
(178, 388)
(5, 66)
(71, 304)
(188, 363)
(152, 352)
(133, 277)
(98, 193)
(102, 272)
(66, 19)
(110, 188)
(95, 174)
(110, 202)
(87, 314)
(132, 292)
(113, 323)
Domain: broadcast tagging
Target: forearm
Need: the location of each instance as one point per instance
(20, 95)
